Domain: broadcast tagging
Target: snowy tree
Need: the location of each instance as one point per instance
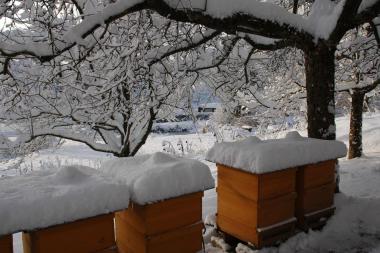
(106, 94)
(316, 32)
(358, 74)
(255, 86)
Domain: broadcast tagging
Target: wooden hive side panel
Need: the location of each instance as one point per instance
(244, 183)
(166, 215)
(314, 175)
(278, 183)
(186, 239)
(174, 213)
(300, 200)
(242, 231)
(135, 216)
(232, 205)
(315, 220)
(318, 198)
(6, 244)
(128, 239)
(89, 235)
(300, 188)
(277, 210)
(276, 234)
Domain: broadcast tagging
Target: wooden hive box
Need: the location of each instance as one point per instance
(170, 226)
(315, 194)
(258, 208)
(6, 244)
(92, 235)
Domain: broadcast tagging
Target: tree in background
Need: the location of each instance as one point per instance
(358, 74)
(105, 92)
(315, 27)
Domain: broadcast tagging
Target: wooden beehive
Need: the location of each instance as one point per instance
(170, 226)
(315, 194)
(89, 235)
(6, 244)
(258, 208)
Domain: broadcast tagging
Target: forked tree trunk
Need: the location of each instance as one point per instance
(355, 140)
(320, 74)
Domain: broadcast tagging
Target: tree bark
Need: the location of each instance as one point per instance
(320, 87)
(355, 140)
(320, 82)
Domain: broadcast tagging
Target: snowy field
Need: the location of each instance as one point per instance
(354, 228)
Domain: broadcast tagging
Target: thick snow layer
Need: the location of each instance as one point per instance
(160, 176)
(45, 198)
(257, 156)
(320, 23)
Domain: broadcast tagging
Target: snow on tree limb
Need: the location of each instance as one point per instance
(107, 97)
(193, 42)
(48, 50)
(75, 137)
(249, 16)
(136, 73)
(368, 4)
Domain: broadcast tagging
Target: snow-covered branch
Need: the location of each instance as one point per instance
(75, 137)
(326, 19)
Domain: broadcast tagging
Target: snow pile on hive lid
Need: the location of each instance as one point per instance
(263, 156)
(160, 176)
(46, 198)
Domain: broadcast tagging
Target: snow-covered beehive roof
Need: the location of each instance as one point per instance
(46, 198)
(262, 156)
(160, 176)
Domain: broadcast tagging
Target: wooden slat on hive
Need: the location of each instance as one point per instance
(165, 215)
(232, 205)
(258, 186)
(187, 239)
(243, 183)
(276, 210)
(88, 235)
(277, 183)
(314, 175)
(276, 234)
(318, 198)
(241, 231)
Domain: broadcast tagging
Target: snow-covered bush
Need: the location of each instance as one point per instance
(181, 148)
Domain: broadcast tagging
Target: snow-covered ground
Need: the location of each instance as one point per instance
(354, 228)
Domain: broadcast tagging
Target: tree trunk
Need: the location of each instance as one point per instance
(320, 85)
(356, 119)
(320, 88)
